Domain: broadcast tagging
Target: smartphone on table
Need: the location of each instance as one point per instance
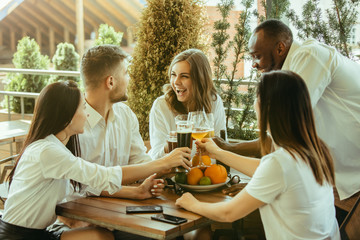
(144, 209)
(168, 218)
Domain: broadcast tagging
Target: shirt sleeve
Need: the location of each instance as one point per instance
(313, 69)
(59, 163)
(268, 181)
(138, 150)
(219, 116)
(158, 130)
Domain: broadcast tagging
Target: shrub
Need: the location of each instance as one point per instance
(240, 124)
(65, 58)
(108, 35)
(165, 29)
(28, 56)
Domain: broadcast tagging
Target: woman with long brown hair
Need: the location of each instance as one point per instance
(190, 89)
(48, 164)
(292, 186)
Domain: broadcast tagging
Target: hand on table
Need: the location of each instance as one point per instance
(151, 187)
(186, 200)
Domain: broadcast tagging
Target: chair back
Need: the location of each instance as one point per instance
(350, 228)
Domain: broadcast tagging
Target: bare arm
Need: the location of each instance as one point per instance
(246, 148)
(178, 157)
(238, 207)
(246, 165)
(151, 187)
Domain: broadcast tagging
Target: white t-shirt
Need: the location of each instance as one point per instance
(162, 121)
(296, 206)
(41, 181)
(334, 85)
(115, 143)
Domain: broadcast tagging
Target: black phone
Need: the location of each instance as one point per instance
(144, 209)
(169, 218)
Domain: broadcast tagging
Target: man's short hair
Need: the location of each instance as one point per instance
(99, 62)
(277, 30)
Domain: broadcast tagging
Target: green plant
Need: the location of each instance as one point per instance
(165, 29)
(108, 35)
(28, 56)
(335, 30)
(239, 123)
(274, 9)
(65, 58)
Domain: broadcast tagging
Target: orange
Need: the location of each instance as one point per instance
(217, 173)
(194, 175)
(205, 159)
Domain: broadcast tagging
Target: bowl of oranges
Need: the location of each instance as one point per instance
(202, 178)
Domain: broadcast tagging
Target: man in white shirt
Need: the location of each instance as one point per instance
(334, 85)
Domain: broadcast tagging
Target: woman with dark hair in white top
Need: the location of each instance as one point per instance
(292, 186)
(48, 164)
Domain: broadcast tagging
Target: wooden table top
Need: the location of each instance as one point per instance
(13, 129)
(111, 213)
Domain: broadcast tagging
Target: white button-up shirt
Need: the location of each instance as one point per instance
(162, 121)
(334, 85)
(115, 143)
(41, 181)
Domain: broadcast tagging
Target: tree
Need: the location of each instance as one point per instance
(335, 30)
(274, 9)
(108, 35)
(239, 123)
(27, 56)
(166, 28)
(65, 58)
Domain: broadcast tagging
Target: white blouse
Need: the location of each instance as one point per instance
(41, 181)
(162, 121)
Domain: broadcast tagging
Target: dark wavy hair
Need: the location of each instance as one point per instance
(54, 110)
(285, 110)
(204, 92)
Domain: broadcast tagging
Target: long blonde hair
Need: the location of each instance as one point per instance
(204, 92)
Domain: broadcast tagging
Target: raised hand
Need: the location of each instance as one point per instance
(179, 157)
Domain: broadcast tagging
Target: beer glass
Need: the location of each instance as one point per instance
(200, 129)
(183, 132)
(172, 141)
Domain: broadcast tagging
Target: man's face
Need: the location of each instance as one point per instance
(263, 52)
(121, 80)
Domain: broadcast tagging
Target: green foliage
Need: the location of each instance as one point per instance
(166, 28)
(274, 9)
(108, 35)
(335, 30)
(239, 123)
(28, 56)
(65, 58)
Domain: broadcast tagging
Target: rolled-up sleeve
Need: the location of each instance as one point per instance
(61, 164)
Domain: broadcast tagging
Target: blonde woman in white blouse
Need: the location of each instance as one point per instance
(48, 165)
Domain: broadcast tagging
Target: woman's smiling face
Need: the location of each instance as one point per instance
(181, 81)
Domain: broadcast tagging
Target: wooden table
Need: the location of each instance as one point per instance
(111, 213)
(14, 131)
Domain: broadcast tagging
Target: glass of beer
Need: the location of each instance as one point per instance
(211, 123)
(183, 132)
(172, 141)
(200, 129)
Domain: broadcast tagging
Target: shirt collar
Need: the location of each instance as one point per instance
(93, 117)
(294, 46)
(52, 138)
